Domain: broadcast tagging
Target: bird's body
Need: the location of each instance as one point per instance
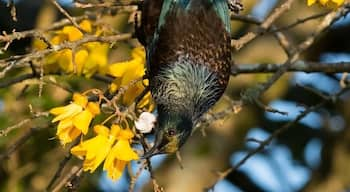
(188, 63)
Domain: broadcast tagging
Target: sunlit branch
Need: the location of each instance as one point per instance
(263, 144)
(298, 66)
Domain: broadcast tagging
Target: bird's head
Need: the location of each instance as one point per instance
(172, 131)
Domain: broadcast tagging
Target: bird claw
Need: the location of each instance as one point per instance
(235, 5)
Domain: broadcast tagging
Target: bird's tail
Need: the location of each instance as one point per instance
(220, 7)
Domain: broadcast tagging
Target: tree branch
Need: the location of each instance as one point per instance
(298, 66)
(238, 44)
(263, 144)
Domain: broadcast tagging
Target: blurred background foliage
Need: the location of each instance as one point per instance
(313, 155)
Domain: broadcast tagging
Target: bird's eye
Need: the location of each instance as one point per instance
(171, 132)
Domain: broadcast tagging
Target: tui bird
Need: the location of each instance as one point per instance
(188, 63)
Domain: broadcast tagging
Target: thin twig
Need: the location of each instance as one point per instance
(76, 171)
(281, 37)
(61, 166)
(11, 5)
(136, 176)
(251, 95)
(299, 21)
(238, 44)
(22, 60)
(263, 144)
(40, 33)
(327, 21)
(83, 4)
(7, 130)
(66, 14)
(297, 66)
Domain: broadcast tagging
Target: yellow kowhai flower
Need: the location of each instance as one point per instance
(91, 58)
(68, 33)
(96, 149)
(128, 71)
(97, 58)
(71, 33)
(88, 59)
(74, 118)
(120, 155)
(78, 104)
(328, 3)
(64, 59)
(99, 148)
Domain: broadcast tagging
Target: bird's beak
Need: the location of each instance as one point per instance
(155, 150)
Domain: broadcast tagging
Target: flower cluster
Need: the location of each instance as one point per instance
(92, 57)
(127, 72)
(328, 3)
(87, 59)
(75, 118)
(111, 145)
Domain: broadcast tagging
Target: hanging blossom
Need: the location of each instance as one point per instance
(128, 71)
(110, 145)
(145, 122)
(328, 3)
(74, 119)
(87, 59)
